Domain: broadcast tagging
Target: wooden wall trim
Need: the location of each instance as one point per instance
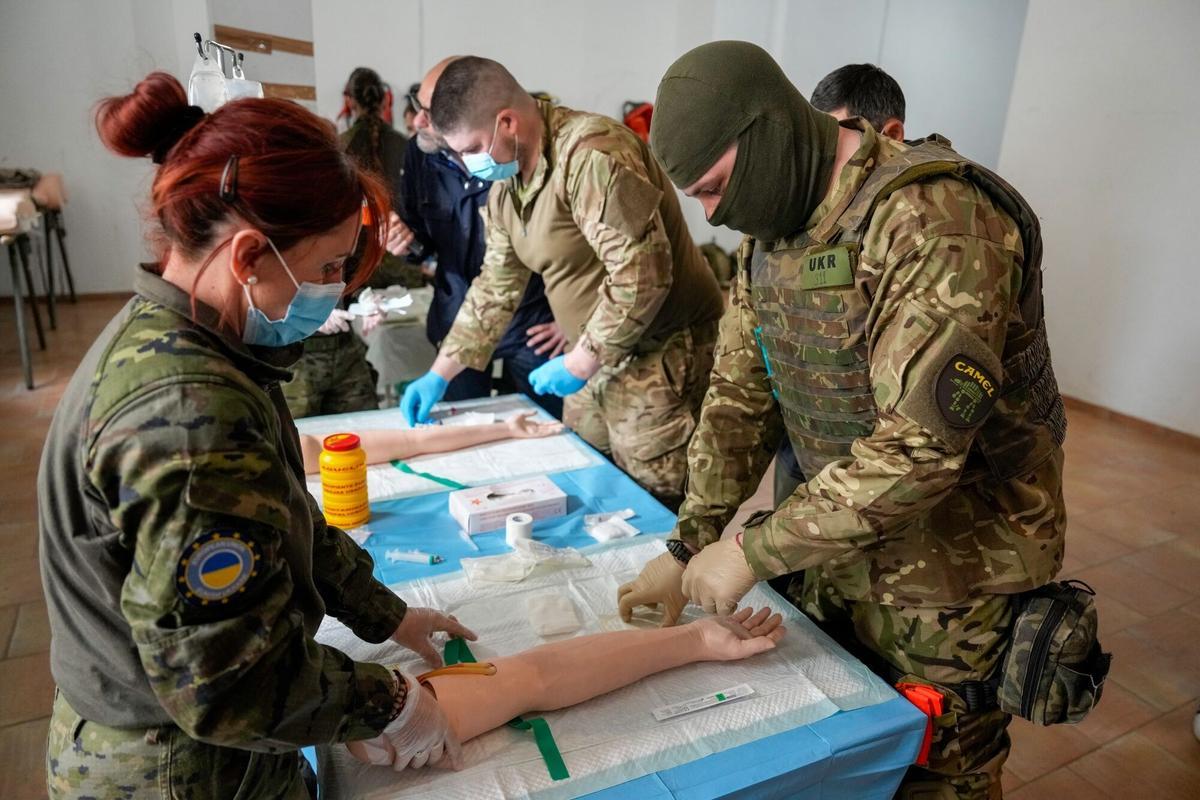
(259, 42)
(289, 91)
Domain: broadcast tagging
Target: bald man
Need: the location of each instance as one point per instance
(579, 200)
(439, 210)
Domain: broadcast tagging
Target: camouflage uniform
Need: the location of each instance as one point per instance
(186, 570)
(905, 354)
(332, 377)
(600, 222)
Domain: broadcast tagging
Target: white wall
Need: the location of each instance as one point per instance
(1099, 139)
(595, 56)
(290, 18)
(592, 55)
(57, 58)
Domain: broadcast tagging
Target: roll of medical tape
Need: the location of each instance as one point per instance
(518, 526)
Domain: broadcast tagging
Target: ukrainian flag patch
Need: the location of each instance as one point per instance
(217, 567)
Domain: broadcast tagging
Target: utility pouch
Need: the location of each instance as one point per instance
(1054, 669)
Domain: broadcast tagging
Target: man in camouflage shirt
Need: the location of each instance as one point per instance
(580, 200)
(887, 317)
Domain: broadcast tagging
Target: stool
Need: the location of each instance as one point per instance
(50, 195)
(17, 245)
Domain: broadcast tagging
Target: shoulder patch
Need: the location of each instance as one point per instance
(216, 567)
(965, 391)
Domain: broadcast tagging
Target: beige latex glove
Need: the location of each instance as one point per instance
(659, 583)
(419, 736)
(718, 577)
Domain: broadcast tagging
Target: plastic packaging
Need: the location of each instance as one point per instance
(610, 525)
(344, 481)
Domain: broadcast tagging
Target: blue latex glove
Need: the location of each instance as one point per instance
(553, 377)
(420, 396)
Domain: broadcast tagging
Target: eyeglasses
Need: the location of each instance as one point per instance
(414, 103)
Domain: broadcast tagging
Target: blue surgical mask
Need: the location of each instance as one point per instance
(484, 167)
(309, 309)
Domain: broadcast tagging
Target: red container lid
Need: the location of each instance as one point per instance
(340, 442)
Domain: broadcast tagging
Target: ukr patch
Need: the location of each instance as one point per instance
(966, 392)
(216, 567)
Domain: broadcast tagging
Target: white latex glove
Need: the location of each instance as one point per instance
(338, 322)
(399, 235)
(660, 582)
(420, 736)
(419, 625)
(718, 577)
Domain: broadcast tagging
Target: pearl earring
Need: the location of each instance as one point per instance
(252, 280)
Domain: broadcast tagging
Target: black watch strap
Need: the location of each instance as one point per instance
(680, 550)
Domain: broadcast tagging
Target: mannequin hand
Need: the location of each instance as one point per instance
(420, 735)
(718, 577)
(553, 377)
(421, 396)
(526, 426)
(744, 634)
(338, 322)
(659, 583)
(417, 628)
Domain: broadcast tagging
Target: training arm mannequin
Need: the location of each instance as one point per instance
(568, 672)
(383, 445)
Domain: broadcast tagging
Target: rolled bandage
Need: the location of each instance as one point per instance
(517, 526)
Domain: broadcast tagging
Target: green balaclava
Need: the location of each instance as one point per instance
(726, 91)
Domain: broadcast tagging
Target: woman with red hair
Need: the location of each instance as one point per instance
(186, 568)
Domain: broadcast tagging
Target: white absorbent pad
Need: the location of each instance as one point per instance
(487, 463)
(551, 613)
(613, 738)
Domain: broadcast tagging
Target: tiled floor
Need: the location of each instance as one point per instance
(1134, 535)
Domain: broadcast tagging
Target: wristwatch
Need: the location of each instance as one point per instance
(681, 551)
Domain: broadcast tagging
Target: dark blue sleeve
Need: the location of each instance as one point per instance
(411, 186)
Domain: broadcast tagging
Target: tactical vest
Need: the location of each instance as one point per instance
(813, 300)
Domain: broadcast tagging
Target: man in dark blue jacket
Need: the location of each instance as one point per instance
(439, 214)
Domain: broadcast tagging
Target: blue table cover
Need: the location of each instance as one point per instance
(852, 754)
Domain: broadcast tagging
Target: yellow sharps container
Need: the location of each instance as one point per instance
(344, 481)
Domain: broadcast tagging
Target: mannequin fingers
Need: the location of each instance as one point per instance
(756, 619)
(741, 615)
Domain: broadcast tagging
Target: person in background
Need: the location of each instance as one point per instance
(582, 202)
(855, 90)
(439, 215)
(185, 566)
(333, 376)
(411, 109)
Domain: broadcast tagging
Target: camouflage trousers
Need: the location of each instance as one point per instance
(87, 760)
(938, 646)
(332, 377)
(643, 412)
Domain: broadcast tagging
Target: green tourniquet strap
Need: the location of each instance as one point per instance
(457, 652)
(545, 745)
(400, 465)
